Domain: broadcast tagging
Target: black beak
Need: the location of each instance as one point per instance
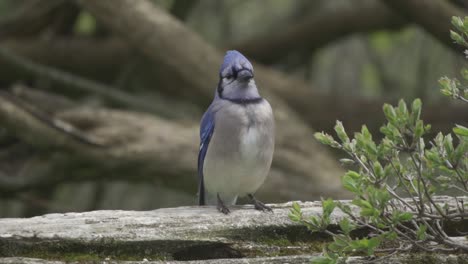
(244, 75)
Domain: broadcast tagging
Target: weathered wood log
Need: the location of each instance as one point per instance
(409, 259)
(176, 234)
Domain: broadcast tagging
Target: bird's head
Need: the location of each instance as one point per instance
(236, 78)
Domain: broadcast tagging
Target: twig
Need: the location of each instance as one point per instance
(53, 123)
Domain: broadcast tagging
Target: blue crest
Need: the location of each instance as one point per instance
(236, 60)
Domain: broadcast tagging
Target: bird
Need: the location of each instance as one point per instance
(237, 138)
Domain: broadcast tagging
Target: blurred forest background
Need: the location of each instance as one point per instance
(100, 100)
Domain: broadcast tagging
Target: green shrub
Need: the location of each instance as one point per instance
(402, 164)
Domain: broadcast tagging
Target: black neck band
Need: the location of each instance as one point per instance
(244, 101)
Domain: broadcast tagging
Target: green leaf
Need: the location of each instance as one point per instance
(340, 132)
(314, 224)
(446, 87)
(346, 226)
(328, 206)
(416, 109)
(457, 37)
(341, 240)
(390, 113)
(344, 207)
(326, 139)
(365, 132)
(448, 145)
(465, 24)
(464, 73)
(382, 196)
(296, 207)
(361, 203)
(402, 109)
(295, 213)
(294, 217)
(460, 150)
(378, 170)
(457, 22)
(347, 161)
(398, 217)
(433, 157)
(419, 129)
(350, 182)
(392, 235)
(372, 245)
(421, 232)
(371, 212)
(460, 130)
(365, 245)
(405, 216)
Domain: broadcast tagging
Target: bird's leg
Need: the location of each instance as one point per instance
(259, 205)
(221, 207)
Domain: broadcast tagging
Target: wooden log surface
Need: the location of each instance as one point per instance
(183, 234)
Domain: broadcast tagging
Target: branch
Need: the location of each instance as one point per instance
(135, 147)
(314, 32)
(69, 80)
(23, 119)
(433, 15)
(98, 59)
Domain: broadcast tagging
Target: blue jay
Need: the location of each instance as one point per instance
(236, 138)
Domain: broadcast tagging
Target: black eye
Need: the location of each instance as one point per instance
(228, 77)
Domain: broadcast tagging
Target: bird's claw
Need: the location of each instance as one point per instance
(221, 207)
(259, 205)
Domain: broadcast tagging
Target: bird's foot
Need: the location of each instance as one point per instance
(259, 205)
(221, 206)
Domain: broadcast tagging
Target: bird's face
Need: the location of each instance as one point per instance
(236, 78)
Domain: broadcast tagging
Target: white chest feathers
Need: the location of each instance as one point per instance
(241, 149)
(250, 142)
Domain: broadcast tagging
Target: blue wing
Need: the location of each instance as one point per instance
(206, 131)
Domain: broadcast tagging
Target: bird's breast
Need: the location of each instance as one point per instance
(241, 148)
(249, 129)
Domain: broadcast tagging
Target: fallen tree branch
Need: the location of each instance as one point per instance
(178, 234)
(313, 32)
(137, 147)
(21, 119)
(432, 15)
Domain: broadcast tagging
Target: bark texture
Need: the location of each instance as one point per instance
(177, 234)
